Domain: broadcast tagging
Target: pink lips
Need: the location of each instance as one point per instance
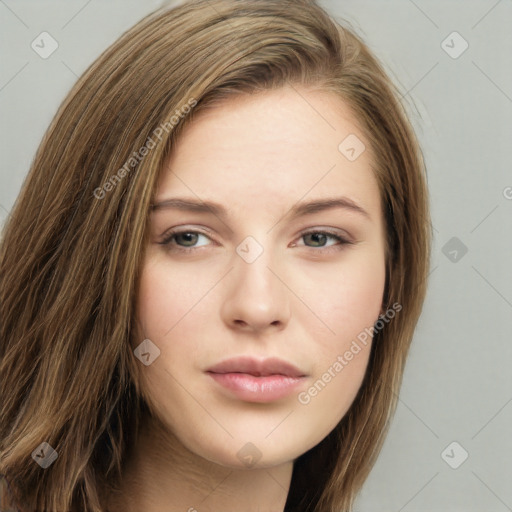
(254, 380)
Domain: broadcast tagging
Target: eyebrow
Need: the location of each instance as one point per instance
(300, 209)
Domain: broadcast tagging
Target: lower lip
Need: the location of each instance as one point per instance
(257, 389)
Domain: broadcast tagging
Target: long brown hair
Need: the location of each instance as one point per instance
(72, 248)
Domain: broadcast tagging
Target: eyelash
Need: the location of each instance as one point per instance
(171, 234)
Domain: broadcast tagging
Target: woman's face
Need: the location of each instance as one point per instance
(231, 297)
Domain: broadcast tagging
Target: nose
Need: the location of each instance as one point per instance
(256, 299)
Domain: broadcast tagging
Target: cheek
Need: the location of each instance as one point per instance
(347, 298)
(164, 300)
(173, 312)
(166, 315)
(349, 303)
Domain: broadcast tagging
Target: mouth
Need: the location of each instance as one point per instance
(254, 380)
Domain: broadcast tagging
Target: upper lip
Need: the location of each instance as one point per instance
(257, 367)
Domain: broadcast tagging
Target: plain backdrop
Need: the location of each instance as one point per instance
(451, 60)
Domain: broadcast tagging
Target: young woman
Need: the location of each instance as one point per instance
(213, 272)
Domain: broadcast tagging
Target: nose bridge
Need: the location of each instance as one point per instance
(253, 262)
(257, 298)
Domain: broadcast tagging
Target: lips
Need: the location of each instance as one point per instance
(257, 368)
(254, 380)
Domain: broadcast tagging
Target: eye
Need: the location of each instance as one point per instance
(187, 237)
(186, 240)
(319, 239)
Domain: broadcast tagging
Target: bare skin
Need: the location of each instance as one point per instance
(303, 299)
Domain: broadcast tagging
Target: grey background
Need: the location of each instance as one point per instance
(458, 383)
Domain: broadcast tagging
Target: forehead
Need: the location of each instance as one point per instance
(270, 148)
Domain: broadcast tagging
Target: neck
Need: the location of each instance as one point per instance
(162, 474)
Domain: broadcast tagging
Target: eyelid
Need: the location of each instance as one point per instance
(169, 234)
(335, 232)
(342, 237)
(185, 229)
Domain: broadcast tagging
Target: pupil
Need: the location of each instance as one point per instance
(316, 236)
(188, 235)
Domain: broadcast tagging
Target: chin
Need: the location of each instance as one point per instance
(239, 455)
